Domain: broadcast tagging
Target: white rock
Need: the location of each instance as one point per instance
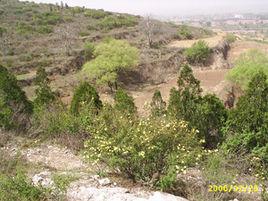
(85, 191)
(104, 182)
(44, 179)
(159, 196)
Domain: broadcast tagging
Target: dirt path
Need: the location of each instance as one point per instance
(212, 41)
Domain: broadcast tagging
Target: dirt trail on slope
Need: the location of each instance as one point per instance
(212, 41)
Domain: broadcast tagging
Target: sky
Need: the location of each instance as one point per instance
(171, 7)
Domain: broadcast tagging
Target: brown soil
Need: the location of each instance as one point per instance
(212, 81)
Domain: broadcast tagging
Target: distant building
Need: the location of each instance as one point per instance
(238, 16)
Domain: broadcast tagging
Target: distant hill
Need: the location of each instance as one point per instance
(53, 36)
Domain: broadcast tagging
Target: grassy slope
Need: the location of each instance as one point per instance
(45, 35)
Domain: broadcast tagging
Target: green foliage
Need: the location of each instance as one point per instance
(212, 116)
(230, 38)
(44, 95)
(111, 22)
(124, 102)
(111, 56)
(96, 14)
(142, 148)
(247, 128)
(247, 66)
(14, 184)
(18, 188)
(207, 113)
(62, 181)
(218, 169)
(47, 18)
(89, 50)
(85, 95)
(24, 28)
(158, 106)
(15, 108)
(184, 33)
(198, 54)
(183, 102)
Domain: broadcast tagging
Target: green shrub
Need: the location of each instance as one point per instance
(198, 54)
(18, 188)
(15, 108)
(44, 29)
(89, 50)
(62, 181)
(207, 114)
(24, 29)
(247, 66)
(85, 95)
(96, 14)
(111, 56)
(184, 33)
(143, 148)
(14, 184)
(230, 38)
(158, 106)
(44, 95)
(124, 102)
(47, 18)
(111, 22)
(212, 116)
(246, 128)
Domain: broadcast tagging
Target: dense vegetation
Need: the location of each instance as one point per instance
(111, 56)
(247, 66)
(192, 131)
(198, 54)
(15, 109)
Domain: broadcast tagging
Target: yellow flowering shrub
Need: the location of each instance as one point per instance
(143, 148)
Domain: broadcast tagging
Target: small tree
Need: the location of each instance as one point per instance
(44, 94)
(124, 102)
(198, 53)
(207, 114)
(183, 102)
(15, 109)
(85, 95)
(158, 106)
(111, 56)
(212, 116)
(247, 128)
(185, 33)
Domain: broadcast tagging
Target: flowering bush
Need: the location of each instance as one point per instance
(142, 149)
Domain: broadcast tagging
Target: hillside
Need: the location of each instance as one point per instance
(53, 37)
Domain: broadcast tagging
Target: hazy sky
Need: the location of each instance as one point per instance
(171, 7)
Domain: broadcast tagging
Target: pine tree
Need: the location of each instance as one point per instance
(124, 102)
(85, 95)
(44, 94)
(158, 106)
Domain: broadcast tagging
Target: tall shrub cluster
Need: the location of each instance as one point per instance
(207, 113)
(15, 108)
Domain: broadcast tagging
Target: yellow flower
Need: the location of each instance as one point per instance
(142, 154)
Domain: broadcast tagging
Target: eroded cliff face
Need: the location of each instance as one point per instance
(159, 71)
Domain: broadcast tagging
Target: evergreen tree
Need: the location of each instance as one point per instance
(85, 95)
(124, 102)
(15, 108)
(44, 94)
(183, 102)
(158, 106)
